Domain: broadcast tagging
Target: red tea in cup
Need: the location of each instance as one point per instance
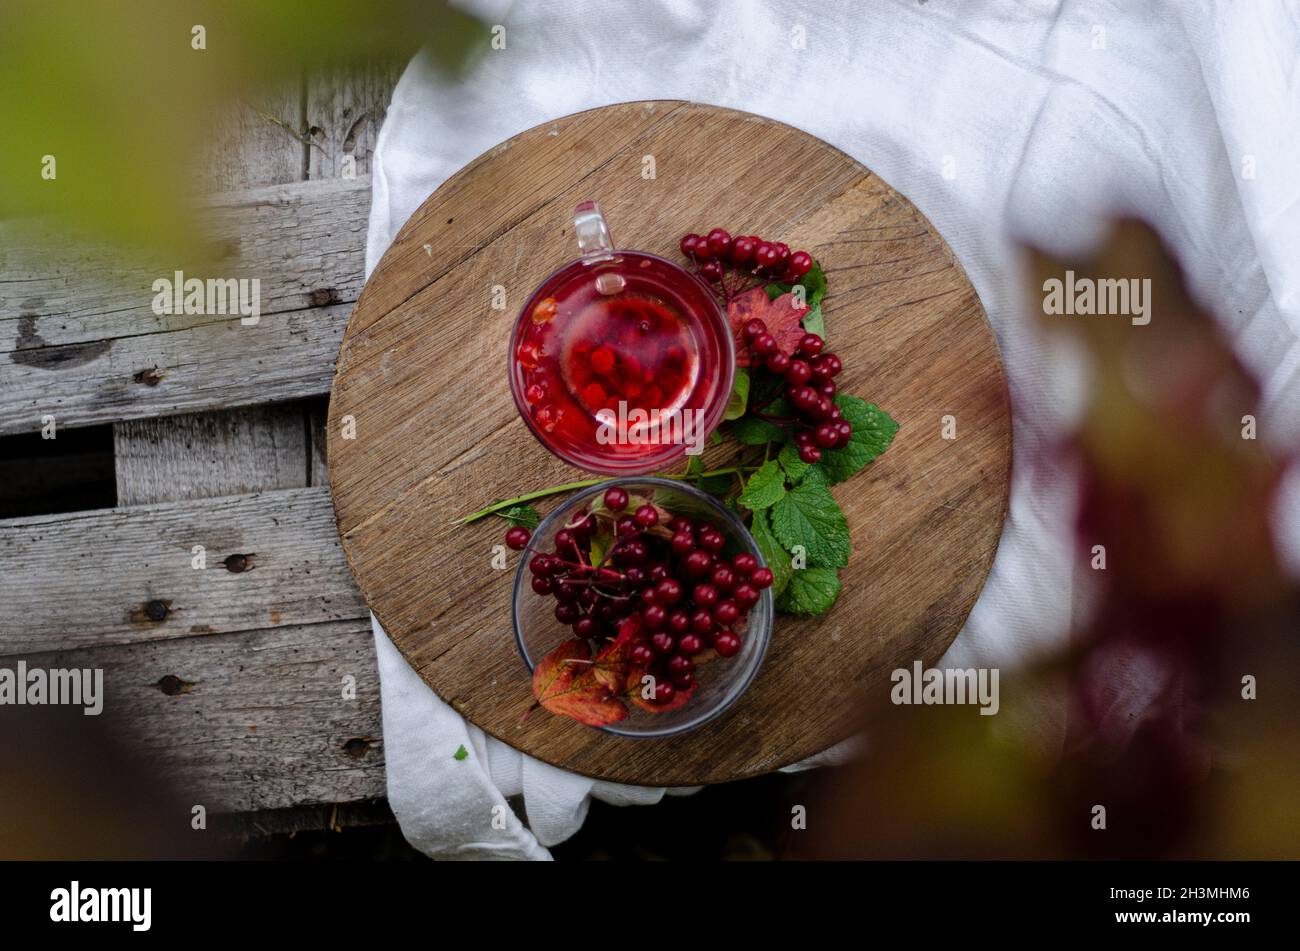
(621, 362)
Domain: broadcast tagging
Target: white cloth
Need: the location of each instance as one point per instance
(1000, 120)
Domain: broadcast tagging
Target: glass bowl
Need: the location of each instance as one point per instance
(722, 680)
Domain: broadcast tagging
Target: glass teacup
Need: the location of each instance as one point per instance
(621, 362)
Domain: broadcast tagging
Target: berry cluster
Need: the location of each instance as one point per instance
(746, 256)
(668, 569)
(809, 377)
(807, 373)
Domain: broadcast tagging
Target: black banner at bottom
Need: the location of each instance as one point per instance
(1179, 899)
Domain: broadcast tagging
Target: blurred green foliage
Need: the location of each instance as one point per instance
(123, 99)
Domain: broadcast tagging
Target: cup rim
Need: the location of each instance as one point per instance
(647, 464)
(765, 597)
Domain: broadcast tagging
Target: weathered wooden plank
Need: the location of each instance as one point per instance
(203, 455)
(304, 241)
(211, 365)
(235, 694)
(79, 337)
(228, 452)
(251, 720)
(298, 746)
(259, 140)
(272, 559)
(345, 106)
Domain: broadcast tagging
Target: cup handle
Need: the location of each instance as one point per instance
(594, 241)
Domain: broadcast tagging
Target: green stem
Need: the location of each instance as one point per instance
(528, 497)
(571, 486)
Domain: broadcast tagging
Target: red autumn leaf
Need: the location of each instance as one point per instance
(614, 661)
(782, 317)
(634, 688)
(565, 683)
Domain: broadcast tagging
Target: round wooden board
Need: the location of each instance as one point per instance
(422, 375)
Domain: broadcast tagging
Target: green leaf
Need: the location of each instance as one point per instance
(739, 396)
(776, 557)
(795, 468)
(752, 431)
(694, 467)
(461, 754)
(809, 516)
(599, 545)
(765, 487)
(814, 288)
(816, 475)
(811, 591)
(814, 285)
(873, 431)
(717, 485)
(814, 323)
(524, 515)
(765, 389)
(715, 437)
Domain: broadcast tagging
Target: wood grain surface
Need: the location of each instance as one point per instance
(81, 578)
(205, 455)
(238, 692)
(422, 377)
(79, 339)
